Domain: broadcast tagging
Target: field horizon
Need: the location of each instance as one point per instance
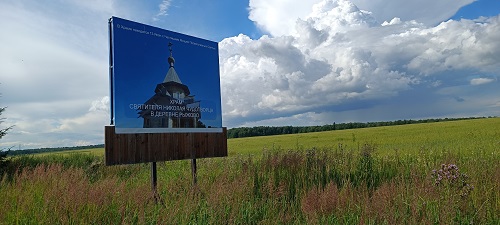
(321, 138)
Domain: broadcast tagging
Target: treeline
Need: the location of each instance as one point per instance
(59, 149)
(266, 130)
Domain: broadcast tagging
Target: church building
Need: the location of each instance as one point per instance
(171, 106)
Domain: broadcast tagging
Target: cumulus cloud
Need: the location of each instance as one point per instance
(338, 58)
(278, 17)
(395, 20)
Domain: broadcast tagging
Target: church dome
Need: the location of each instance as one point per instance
(171, 61)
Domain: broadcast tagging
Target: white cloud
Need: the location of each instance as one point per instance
(394, 21)
(64, 123)
(339, 59)
(456, 45)
(340, 15)
(163, 9)
(90, 121)
(278, 17)
(480, 81)
(101, 104)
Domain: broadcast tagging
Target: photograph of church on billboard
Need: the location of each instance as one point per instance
(162, 81)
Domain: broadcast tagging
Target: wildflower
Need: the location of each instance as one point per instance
(450, 176)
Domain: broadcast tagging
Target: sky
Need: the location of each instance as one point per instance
(282, 62)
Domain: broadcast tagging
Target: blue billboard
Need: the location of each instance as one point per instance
(162, 81)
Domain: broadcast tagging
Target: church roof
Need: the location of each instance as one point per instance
(172, 76)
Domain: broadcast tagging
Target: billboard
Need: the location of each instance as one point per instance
(162, 81)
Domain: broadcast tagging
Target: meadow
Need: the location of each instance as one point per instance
(435, 173)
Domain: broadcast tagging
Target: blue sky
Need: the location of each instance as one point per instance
(212, 20)
(281, 62)
(477, 9)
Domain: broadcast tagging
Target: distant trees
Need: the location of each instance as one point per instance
(55, 149)
(266, 130)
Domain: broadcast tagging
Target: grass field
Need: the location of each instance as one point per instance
(436, 173)
(93, 151)
(454, 136)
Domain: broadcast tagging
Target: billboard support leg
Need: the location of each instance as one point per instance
(193, 166)
(193, 170)
(154, 177)
(154, 182)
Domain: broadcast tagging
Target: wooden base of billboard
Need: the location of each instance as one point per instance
(157, 147)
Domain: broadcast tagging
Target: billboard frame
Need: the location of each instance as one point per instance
(143, 145)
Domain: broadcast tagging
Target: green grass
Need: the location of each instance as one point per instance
(379, 175)
(92, 151)
(454, 136)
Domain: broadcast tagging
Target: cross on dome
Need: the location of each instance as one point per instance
(171, 74)
(171, 59)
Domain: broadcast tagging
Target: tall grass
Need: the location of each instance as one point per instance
(313, 186)
(338, 183)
